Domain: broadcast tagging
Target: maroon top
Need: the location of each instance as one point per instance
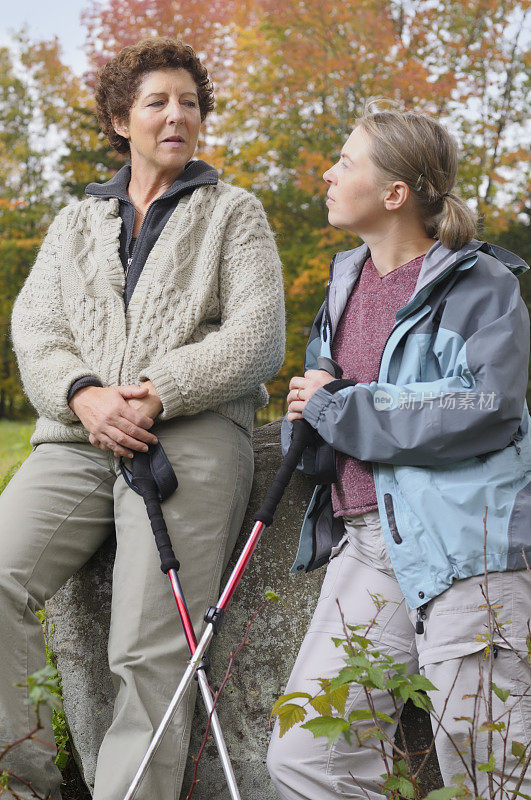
(360, 338)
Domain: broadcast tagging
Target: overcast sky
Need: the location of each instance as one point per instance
(47, 19)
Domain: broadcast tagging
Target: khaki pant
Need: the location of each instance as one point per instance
(58, 509)
(303, 768)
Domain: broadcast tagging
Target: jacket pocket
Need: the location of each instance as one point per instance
(391, 520)
(518, 531)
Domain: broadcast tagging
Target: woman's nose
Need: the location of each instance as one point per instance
(175, 112)
(329, 176)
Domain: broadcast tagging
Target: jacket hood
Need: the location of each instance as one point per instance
(195, 173)
(438, 262)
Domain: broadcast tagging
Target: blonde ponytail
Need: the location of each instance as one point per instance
(456, 224)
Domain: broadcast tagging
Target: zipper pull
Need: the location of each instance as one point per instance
(421, 616)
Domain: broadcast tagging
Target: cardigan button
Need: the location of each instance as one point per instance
(421, 595)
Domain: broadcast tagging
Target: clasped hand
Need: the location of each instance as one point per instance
(301, 389)
(118, 418)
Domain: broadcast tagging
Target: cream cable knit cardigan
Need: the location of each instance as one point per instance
(205, 323)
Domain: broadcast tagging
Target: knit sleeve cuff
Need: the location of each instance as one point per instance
(166, 387)
(81, 383)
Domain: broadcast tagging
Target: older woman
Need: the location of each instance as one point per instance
(154, 312)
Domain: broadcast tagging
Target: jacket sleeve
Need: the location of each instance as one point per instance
(474, 408)
(48, 359)
(248, 347)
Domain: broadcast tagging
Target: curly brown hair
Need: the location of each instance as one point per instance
(119, 80)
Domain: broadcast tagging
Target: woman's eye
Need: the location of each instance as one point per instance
(156, 103)
(190, 103)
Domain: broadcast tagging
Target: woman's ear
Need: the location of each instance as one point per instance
(121, 127)
(396, 195)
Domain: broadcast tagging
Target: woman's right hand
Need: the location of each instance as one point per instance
(111, 422)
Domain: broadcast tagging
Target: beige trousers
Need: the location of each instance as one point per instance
(303, 768)
(61, 505)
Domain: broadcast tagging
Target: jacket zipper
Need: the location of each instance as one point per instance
(421, 616)
(326, 320)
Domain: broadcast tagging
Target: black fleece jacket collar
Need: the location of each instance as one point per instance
(195, 174)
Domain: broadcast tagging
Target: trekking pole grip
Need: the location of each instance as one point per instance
(145, 485)
(303, 436)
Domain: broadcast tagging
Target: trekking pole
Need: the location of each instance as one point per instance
(303, 435)
(144, 483)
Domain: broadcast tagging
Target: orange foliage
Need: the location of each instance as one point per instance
(292, 75)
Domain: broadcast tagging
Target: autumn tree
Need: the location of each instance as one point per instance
(303, 75)
(39, 96)
(23, 205)
(290, 77)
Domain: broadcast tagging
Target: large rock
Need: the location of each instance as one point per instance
(79, 615)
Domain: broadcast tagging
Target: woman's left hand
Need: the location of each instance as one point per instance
(303, 388)
(150, 404)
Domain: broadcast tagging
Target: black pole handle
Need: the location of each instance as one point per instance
(145, 485)
(303, 436)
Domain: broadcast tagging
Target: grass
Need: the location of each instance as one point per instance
(14, 444)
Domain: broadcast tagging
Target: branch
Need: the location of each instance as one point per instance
(218, 693)
(439, 721)
(522, 776)
(24, 783)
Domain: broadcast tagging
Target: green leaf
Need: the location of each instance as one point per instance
(518, 750)
(273, 596)
(400, 668)
(285, 698)
(289, 715)
(492, 726)
(338, 697)
(365, 713)
(377, 676)
(359, 714)
(385, 717)
(489, 765)
(331, 727)
(322, 705)
(346, 675)
(420, 700)
(445, 793)
(43, 687)
(61, 759)
(422, 683)
(359, 660)
(338, 642)
(393, 683)
(503, 694)
(401, 785)
(361, 640)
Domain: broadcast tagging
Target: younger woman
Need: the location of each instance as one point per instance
(416, 372)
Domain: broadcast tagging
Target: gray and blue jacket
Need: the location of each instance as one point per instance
(445, 425)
